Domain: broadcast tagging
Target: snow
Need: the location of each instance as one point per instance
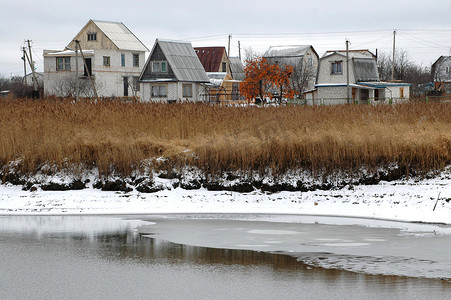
(403, 200)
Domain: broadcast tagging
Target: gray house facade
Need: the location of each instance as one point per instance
(173, 72)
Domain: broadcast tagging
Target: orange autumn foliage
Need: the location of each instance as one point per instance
(263, 79)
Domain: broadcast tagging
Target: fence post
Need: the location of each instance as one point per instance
(427, 99)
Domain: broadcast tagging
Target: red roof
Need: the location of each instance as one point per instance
(210, 57)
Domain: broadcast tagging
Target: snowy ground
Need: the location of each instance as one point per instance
(410, 201)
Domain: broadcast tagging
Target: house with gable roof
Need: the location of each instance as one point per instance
(114, 59)
(303, 59)
(364, 84)
(441, 74)
(225, 74)
(173, 72)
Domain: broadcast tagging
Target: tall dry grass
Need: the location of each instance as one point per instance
(120, 137)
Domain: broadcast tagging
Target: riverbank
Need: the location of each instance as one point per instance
(408, 200)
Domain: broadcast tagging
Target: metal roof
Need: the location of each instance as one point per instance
(287, 51)
(237, 68)
(352, 53)
(365, 69)
(120, 35)
(183, 60)
(210, 57)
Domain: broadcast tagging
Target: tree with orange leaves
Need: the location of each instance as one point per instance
(264, 80)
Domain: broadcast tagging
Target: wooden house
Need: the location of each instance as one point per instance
(172, 73)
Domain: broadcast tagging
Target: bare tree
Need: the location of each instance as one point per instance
(302, 77)
(65, 86)
(251, 54)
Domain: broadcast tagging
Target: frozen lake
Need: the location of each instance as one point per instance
(221, 256)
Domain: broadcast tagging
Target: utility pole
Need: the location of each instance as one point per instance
(239, 50)
(393, 60)
(228, 54)
(86, 66)
(35, 82)
(24, 55)
(77, 79)
(347, 72)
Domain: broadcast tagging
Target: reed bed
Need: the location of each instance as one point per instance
(124, 137)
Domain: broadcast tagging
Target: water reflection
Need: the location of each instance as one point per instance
(107, 258)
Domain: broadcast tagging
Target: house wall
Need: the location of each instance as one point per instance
(325, 70)
(331, 95)
(441, 70)
(174, 92)
(395, 93)
(108, 79)
(314, 67)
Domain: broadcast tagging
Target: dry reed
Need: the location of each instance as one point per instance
(119, 137)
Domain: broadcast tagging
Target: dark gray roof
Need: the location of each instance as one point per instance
(237, 68)
(183, 61)
(365, 69)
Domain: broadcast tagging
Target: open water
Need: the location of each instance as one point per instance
(219, 257)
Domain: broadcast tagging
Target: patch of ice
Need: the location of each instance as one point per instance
(275, 232)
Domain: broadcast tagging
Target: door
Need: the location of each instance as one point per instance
(125, 86)
(89, 69)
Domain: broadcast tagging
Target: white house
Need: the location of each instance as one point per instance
(364, 85)
(114, 59)
(303, 59)
(441, 74)
(173, 72)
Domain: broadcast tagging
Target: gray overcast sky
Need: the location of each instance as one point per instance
(423, 27)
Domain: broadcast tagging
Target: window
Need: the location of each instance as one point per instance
(123, 60)
(187, 90)
(309, 61)
(159, 91)
(135, 60)
(159, 67)
(136, 83)
(92, 36)
(337, 67)
(224, 66)
(155, 67)
(63, 63)
(448, 69)
(106, 61)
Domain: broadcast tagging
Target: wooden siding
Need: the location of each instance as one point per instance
(157, 55)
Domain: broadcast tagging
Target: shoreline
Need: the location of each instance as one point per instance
(410, 201)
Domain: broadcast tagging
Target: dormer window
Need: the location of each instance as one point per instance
(92, 36)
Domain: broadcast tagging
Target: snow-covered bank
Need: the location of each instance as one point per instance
(404, 200)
